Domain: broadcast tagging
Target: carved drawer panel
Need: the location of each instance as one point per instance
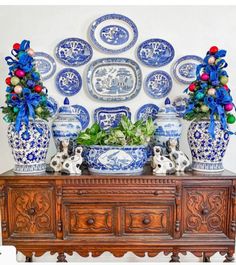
(205, 210)
(148, 219)
(88, 220)
(31, 211)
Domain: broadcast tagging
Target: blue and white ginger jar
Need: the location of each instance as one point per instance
(29, 146)
(207, 153)
(66, 125)
(167, 126)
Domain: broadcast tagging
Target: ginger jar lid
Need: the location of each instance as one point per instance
(66, 108)
(168, 110)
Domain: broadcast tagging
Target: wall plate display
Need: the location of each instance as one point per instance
(45, 65)
(113, 33)
(155, 52)
(68, 82)
(74, 51)
(158, 84)
(146, 111)
(180, 104)
(52, 106)
(184, 69)
(110, 117)
(82, 115)
(114, 79)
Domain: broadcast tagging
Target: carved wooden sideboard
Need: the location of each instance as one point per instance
(193, 212)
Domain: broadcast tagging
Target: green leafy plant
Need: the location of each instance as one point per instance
(126, 133)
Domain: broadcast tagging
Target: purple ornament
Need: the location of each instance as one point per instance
(215, 83)
(30, 83)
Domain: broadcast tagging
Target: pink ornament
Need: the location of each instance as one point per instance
(17, 89)
(228, 107)
(205, 77)
(226, 87)
(20, 73)
(31, 52)
(211, 60)
(211, 91)
(192, 87)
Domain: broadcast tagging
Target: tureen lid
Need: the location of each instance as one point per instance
(66, 108)
(168, 109)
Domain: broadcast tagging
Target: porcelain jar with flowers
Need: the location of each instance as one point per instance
(210, 108)
(119, 150)
(25, 111)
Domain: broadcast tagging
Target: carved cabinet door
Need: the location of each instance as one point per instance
(31, 211)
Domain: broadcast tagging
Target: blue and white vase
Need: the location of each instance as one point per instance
(115, 159)
(66, 125)
(167, 126)
(207, 153)
(29, 146)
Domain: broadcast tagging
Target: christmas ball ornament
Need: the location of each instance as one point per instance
(199, 95)
(204, 77)
(30, 83)
(211, 91)
(204, 108)
(20, 73)
(15, 109)
(38, 89)
(228, 107)
(44, 99)
(13, 96)
(8, 80)
(226, 87)
(39, 110)
(35, 76)
(16, 46)
(15, 80)
(224, 79)
(17, 89)
(45, 91)
(31, 52)
(8, 96)
(211, 60)
(192, 87)
(231, 118)
(213, 50)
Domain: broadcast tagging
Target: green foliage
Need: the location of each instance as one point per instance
(126, 133)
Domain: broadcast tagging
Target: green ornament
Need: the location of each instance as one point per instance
(44, 99)
(15, 109)
(6, 118)
(39, 110)
(204, 108)
(217, 60)
(15, 80)
(224, 80)
(8, 96)
(231, 119)
(199, 95)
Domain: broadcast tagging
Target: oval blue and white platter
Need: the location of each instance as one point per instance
(184, 69)
(146, 111)
(155, 52)
(52, 106)
(158, 84)
(45, 65)
(82, 115)
(113, 33)
(114, 79)
(110, 117)
(68, 82)
(74, 52)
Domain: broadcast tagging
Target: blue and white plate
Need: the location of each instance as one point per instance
(113, 33)
(68, 82)
(110, 117)
(158, 84)
(52, 106)
(45, 65)
(155, 52)
(184, 69)
(82, 115)
(114, 79)
(74, 51)
(146, 111)
(180, 104)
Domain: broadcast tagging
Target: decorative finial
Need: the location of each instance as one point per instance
(66, 101)
(167, 101)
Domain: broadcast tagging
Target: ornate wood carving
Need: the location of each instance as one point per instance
(59, 209)
(178, 208)
(61, 257)
(3, 210)
(233, 214)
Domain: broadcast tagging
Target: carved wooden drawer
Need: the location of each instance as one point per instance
(31, 211)
(88, 220)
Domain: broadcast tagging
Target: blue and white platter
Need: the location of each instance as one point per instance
(184, 69)
(52, 106)
(113, 33)
(68, 82)
(114, 79)
(180, 104)
(45, 65)
(155, 52)
(146, 111)
(158, 84)
(110, 117)
(82, 115)
(74, 52)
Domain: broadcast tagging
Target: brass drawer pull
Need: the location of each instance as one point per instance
(31, 211)
(146, 221)
(205, 211)
(90, 221)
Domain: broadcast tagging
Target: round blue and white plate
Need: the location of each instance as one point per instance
(146, 111)
(74, 51)
(52, 106)
(158, 84)
(82, 115)
(113, 33)
(180, 104)
(45, 65)
(184, 69)
(68, 82)
(155, 52)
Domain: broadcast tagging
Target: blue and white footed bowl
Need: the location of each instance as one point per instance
(29, 146)
(115, 159)
(207, 153)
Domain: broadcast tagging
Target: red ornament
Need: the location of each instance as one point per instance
(38, 89)
(192, 87)
(8, 80)
(213, 50)
(13, 96)
(16, 46)
(226, 87)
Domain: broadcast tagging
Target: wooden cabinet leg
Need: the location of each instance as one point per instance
(175, 257)
(61, 257)
(206, 258)
(28, 259)
(229, 257)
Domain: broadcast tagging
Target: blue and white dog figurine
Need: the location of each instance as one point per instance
(72, 164)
